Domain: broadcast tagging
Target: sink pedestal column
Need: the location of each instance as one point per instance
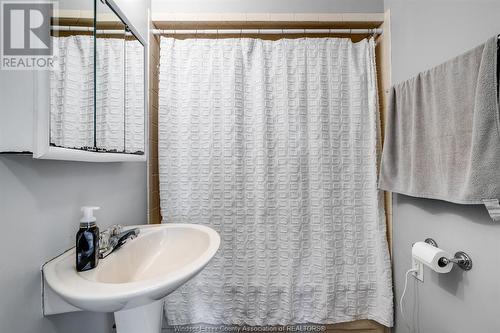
(143, 319)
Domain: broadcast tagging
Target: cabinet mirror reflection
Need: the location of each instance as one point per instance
(72, 77)
(97, 85)
(109, 80)
(134, 94)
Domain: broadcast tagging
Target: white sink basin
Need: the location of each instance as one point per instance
(133, 280)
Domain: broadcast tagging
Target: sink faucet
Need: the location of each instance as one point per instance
(113, 238)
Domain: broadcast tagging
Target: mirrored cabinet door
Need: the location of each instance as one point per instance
(97, 84)
(134, 95)
(109, 80)
(72, 77)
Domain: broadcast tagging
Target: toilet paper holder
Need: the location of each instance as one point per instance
(461, 259)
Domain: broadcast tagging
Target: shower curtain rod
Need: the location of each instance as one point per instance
(376, 31)
(89, 29)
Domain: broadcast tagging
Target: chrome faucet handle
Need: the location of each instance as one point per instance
(115, 229)
(106, 235)
(113, 238)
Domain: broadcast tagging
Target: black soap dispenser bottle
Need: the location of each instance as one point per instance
(87, 241)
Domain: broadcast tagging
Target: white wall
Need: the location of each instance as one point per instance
(39, 212)
(268, 6)
(426, 33)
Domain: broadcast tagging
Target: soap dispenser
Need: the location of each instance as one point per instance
(87, 241)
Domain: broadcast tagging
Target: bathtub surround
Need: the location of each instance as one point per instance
(443, 136)
(273, 144)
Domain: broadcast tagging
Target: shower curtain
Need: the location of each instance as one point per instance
(274, 145)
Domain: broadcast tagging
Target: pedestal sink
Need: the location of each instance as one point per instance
(133, 281)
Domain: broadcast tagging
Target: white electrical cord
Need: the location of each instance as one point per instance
(401, 308)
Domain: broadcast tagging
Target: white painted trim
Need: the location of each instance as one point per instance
(267, 17)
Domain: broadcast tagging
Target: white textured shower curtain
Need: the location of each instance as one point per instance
(274, 145)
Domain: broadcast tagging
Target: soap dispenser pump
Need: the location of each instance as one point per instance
(87, 241)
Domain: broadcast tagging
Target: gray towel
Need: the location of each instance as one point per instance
(442, 136)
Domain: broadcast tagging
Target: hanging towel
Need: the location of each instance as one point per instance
(442, 136)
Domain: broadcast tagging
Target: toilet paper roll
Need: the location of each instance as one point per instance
(429, 255)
